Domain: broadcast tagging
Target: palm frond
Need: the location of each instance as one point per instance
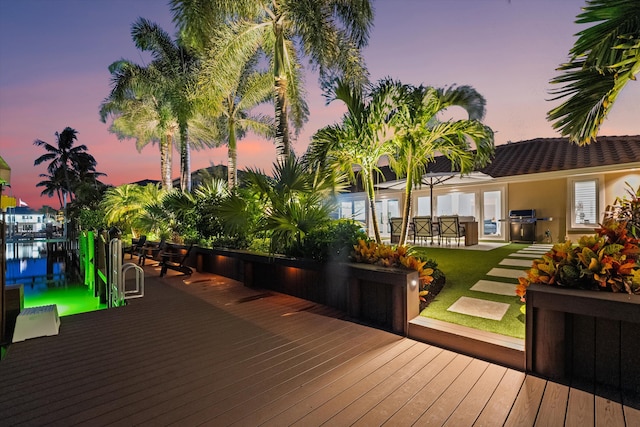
(604, 58)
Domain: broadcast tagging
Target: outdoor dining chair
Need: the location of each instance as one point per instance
(423, 228)
(395, 224)
(450, 228)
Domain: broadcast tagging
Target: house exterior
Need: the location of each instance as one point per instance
(567, 185)
(24, 221)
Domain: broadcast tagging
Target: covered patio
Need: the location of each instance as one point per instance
(207, 350)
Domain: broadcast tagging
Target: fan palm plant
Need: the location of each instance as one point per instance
(126, 204)
(604, 58)
(329, 32)
(295, 201)
(419, 136)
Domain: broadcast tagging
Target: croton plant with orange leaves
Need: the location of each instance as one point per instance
(608, 260)
(370, 252)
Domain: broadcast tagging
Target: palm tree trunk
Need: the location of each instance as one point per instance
(185, 160)
(372, 208)
(59, 193)
(165, 162)
(282, 127)
(232, 167)
(406, 210)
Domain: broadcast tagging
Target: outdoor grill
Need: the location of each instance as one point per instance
(522, 225)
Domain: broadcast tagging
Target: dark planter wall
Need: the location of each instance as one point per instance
(583, 336)
(387, 298)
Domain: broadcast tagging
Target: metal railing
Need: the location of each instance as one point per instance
(116, 289)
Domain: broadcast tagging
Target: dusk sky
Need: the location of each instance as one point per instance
(54, 56)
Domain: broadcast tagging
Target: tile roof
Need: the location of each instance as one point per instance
(554, 154)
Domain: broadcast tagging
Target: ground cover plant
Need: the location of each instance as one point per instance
(463, 268)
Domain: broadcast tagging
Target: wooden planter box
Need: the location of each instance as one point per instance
(385, 297)
(578, 335)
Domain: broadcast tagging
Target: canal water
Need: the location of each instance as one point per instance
(49, 274)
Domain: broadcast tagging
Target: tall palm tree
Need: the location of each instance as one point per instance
(419, 136)
(238, 93)
(67, 161)
(172, 76)
(357, 145)
(604, 58)
(328, 32)
(139, 111)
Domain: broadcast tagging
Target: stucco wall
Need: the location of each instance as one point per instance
(548, 198)
(615, 185)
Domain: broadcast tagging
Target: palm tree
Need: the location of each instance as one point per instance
(53, 185)
(604, 58)
(357, 145)
(237, 94)
(419, 136)
(67, 163)
(139, 111)
(171, 77)
(328, 32)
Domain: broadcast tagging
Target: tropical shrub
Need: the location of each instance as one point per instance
(241, 214)
(370, 252)
(607, 261)
(331, 241)
(293, 203)
(91, 219)
(627, 208)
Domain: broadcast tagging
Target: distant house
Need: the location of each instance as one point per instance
(24, 220)
(567, 185)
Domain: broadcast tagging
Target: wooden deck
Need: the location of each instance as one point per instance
(207, 350)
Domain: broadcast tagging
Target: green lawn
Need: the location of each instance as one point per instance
(463, 268)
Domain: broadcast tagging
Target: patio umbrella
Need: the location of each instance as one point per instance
(436, 178)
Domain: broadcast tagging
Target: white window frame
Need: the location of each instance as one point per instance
(572, 208)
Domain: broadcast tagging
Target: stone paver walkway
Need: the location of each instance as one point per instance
(520, 261)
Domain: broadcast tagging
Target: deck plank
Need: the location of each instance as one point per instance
(580, 408)
(553, 408)
(525, 408)
(422, 401)
(317, 396)
(469, 409)
(446, 404)
(501, 401)
(388, 406)
(608, 411)
(346, 407)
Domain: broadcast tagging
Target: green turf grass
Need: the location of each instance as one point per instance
(463, 268)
